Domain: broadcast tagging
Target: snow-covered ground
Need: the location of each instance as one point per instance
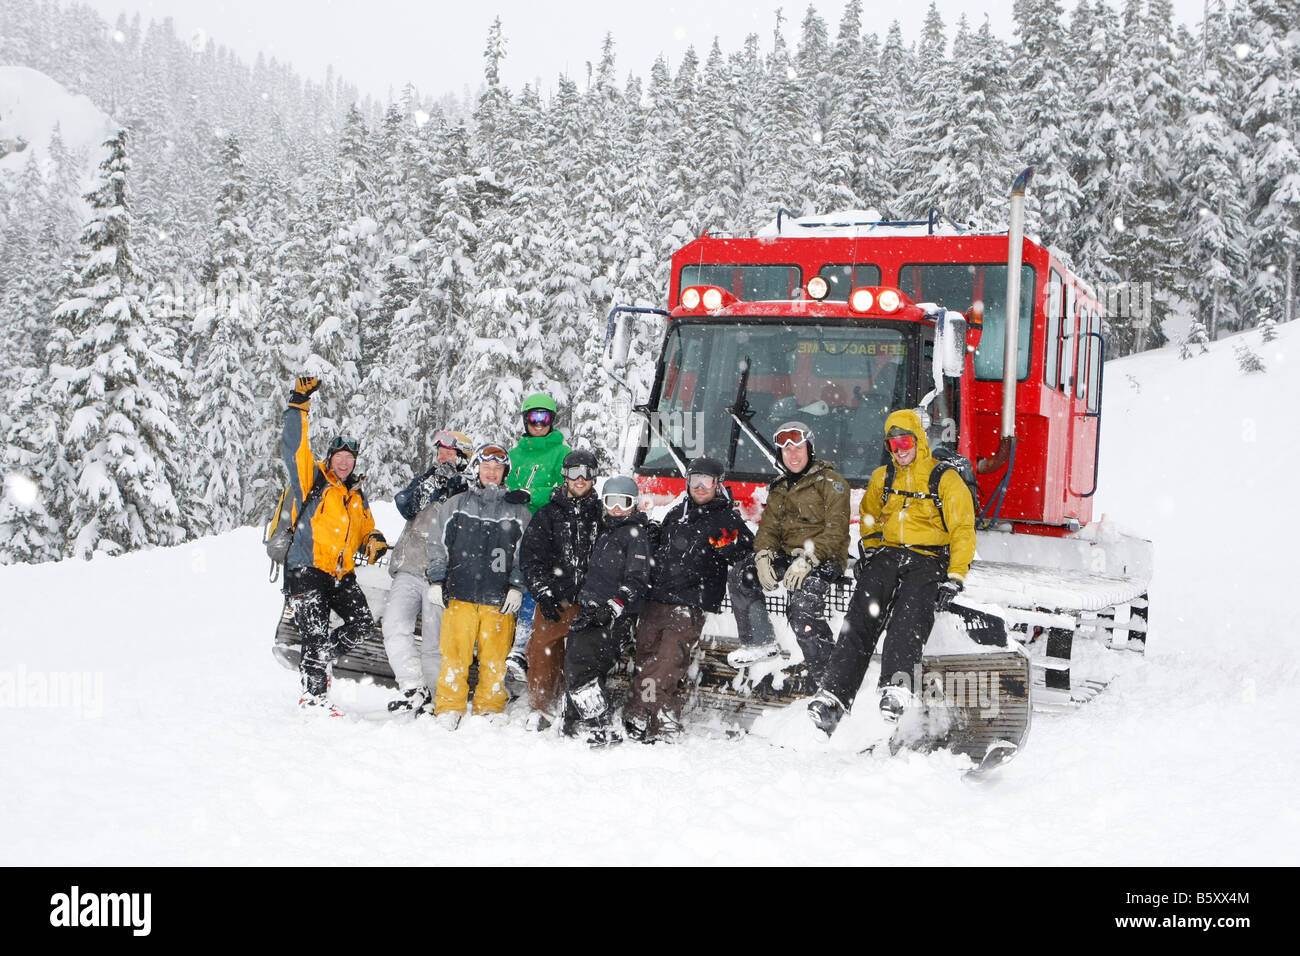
(184, 744)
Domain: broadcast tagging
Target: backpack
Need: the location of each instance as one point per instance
(945, 460)
(279, 530)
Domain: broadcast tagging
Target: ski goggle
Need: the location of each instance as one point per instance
(343, 443)
(701, 481)
(579, 473)
(790, 436)
(493, 453)
(538, 416)
(445, 439)
(901, 443)
(618, 501)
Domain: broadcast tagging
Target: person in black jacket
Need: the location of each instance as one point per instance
(553, 556)
(443, 479)
(618, 577)
(699, 540)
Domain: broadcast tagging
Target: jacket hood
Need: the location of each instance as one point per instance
(909, 420)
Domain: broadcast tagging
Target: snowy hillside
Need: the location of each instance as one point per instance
(31, 105)
(186, 746)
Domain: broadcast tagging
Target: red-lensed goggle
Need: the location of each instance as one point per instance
(701, 481)
(901, 443)
(790, 436)
(538, 416)
(618, 501)
(579, 472)
(493, 453)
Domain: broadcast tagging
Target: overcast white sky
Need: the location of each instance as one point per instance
(438, 44)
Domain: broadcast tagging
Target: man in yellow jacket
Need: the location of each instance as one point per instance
(916, 550)
(332, 525)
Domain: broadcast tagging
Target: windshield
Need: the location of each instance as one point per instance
(840, 380)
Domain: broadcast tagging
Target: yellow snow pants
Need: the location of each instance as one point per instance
(463, 626)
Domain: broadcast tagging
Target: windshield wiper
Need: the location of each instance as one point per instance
(741, 413)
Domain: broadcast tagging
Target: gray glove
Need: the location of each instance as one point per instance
(514, 598)
(763, 568)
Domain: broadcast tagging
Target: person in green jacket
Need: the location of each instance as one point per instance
(536, 467)
(536, 462)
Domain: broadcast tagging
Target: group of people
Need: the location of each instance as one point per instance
(519, 568)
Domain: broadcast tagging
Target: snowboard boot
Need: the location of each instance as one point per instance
(411, 700)
(538, 721)
(894, 702)
(748, 654)
(516, 674)
(448, 721)
(825, 711)
(318, 704)
(604, 734)
(636, 726)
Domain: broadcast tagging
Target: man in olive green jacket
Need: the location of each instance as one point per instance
(803, 544)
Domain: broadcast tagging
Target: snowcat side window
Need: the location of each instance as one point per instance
(841, 280)
(749, 283)
(1052, 357)
(1094, 361)
(958, 285)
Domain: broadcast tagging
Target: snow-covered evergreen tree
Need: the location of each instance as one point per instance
(116, 427)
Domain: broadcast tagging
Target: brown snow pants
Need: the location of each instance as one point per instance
(546, 658)
(666, 636)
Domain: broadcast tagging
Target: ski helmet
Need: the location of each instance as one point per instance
(706, 466)
(461, 442)
(342, 443)
(539, 402)
(491, 451)
(580, 458)
(786, 430)
(620, 485)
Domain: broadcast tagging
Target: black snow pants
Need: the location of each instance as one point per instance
(312, 595)
(805, 608)
(896, 589)
(589, 655)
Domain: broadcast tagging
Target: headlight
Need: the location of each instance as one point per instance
(861, 300)
(691, 298)
(889, 301)
(712, 299)
(817, 288)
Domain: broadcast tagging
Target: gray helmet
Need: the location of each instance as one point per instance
(794, 426)
(621, 485)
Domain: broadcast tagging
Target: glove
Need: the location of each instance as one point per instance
(375, 548)
(615, 608)
(303, 387)
(797, 571)
(435, 594)
(763, 568)
(514, 598)
(947, 591)
(446, 470)
(592, 615)
(548, 606)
